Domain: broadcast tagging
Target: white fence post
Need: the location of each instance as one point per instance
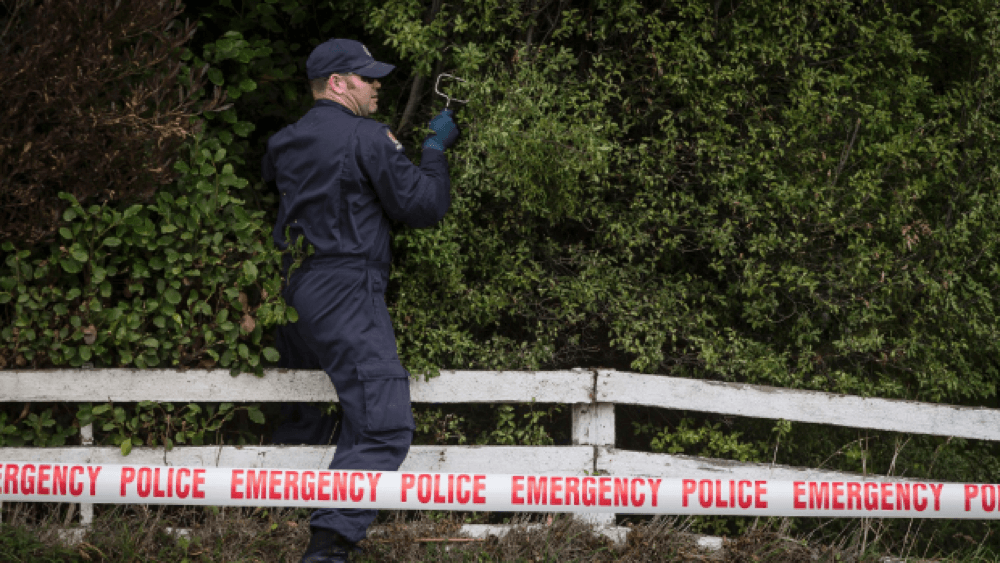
(86, 439)
(86, 508)
(594, 425)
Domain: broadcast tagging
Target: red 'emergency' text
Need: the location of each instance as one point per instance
(854, 495)
(583, 491)
(307, 485)
(47, 479)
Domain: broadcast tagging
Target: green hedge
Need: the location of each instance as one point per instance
(792, 193)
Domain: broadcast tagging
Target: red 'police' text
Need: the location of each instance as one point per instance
(988, 495)
(163, 482)
(444, 489)
(720, 493)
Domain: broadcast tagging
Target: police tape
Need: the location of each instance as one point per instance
(52, 482)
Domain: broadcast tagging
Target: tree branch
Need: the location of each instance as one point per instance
(418, 79)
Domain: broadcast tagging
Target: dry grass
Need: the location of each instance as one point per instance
(142, 533)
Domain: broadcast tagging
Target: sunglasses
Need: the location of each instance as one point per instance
(364, 79)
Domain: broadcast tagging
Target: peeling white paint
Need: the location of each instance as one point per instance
(279, 385)
(760, 401)
(594, 424)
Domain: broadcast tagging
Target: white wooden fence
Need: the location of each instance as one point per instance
(592, 395)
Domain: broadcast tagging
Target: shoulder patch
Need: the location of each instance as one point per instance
(399, 146)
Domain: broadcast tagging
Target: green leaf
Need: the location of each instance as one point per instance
(243, 128)
(255, 415)
(172, 296)
(126, 446)
(250, 271)
(71, 266)
(215, 75)
(271, 354)
(79, 253)
(132, 211)
(112, 242)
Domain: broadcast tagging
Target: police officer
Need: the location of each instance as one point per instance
(342, 179)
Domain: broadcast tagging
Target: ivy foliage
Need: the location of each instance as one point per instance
(188, 279)
(146, 423)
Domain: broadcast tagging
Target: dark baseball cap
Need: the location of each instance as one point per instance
(344, 56)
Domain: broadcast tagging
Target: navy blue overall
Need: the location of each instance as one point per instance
(342, 179)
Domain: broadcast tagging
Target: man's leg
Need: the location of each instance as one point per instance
(369, 450)
(302, 423)
(344, 320)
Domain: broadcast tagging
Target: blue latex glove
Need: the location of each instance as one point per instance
(445, 131)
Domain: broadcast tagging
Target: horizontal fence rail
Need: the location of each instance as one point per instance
(569, 387)
(759, 401)
(592, 395)
(283, 386)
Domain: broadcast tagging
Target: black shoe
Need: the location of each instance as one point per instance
(327, 546)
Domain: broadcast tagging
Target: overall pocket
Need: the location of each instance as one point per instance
(387, 396)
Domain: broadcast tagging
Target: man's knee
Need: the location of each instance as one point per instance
(393, 438)
(386, 449)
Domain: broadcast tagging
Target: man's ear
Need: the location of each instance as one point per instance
(330, 83)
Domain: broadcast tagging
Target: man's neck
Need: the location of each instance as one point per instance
(338, 100)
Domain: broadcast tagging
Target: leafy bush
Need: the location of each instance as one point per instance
(190, 278)
(97, 103)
